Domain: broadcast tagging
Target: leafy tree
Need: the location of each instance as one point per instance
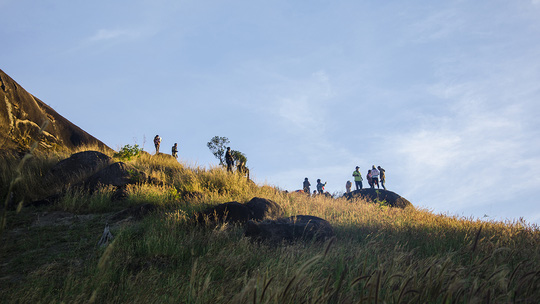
(218, 145)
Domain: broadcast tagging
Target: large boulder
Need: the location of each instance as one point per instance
(231, 212)
(386, 197)
(118, 175)
(257, 209)
(75, 169)
(299, 227)
(262, 208)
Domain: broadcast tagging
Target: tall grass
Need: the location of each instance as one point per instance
(379, 255)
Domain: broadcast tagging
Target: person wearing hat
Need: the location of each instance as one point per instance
(357, 178)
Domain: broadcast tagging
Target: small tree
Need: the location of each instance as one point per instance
(217, 146)
(239, 157)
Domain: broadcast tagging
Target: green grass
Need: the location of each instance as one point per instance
(379, 254)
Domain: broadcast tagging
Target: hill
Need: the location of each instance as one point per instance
(92, 245)
(22, 115)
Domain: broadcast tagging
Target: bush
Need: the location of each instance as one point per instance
(128, 152)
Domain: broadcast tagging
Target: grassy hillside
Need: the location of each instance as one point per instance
(379, 255)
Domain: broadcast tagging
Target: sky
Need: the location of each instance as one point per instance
(444, 95)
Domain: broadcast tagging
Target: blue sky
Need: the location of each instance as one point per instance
(445, 95)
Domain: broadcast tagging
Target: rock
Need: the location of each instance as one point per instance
(376, 195)
(22, 115)
(76, 168)
(262, 208)
(120, 194)
(231, 212)
(299, 227)
(118, 175)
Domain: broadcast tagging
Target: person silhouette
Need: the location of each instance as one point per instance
(175, 150)
(157, 142)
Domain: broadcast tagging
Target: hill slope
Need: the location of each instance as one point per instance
(22, 115)
(379, 254)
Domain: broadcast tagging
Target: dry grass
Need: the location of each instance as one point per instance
(380, 254)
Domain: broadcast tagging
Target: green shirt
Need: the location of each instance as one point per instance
(357, 176)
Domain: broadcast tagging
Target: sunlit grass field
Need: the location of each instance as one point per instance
(379, 255)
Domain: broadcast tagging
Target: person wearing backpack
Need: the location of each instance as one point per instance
(382, 176)
(306, 185)
(175, 150)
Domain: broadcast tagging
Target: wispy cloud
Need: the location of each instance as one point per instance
(116, 34)
(303, 102)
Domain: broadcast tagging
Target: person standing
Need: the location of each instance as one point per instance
(229, 159)
(382, 176)
(369, 180)
(348, 186)
(374, 177)
(157, 142)
(357, 178)
(320, 186)
(307, 186)
(175, 150)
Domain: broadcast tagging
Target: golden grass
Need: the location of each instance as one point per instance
(380, 254)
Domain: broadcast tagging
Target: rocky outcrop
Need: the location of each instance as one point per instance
(231, 212)
(22, 115)
(117, 175)
(385, 197)
(294, 228)
(257, 209)
(262, 208)
(75, 169)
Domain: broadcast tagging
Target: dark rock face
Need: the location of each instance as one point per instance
(23, 115)
(299, 227)
(118, 174)
(231, 212)
(76, 168)
(256, 209)
(372, 195)
(262, 208)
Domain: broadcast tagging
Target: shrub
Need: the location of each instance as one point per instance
(127, 152)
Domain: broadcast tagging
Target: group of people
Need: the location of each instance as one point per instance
(320, 187)
(374, 175)
(157, 143)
